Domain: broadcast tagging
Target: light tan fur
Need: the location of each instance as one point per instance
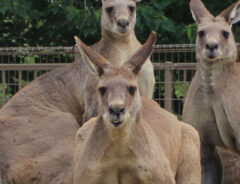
(133, 140)
(38, 124)
(213, 99)
(117, 46)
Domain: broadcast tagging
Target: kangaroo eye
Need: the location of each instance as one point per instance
(109, 9)
(201, 34)
(102, 90)
(131, 8)
(132, 90)
(225, 34)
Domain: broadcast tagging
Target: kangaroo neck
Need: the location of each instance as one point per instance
(211, 73)
(117, 49)
(114, 39)
(123, 133)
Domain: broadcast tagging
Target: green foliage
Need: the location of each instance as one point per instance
(8, 95)
(24, 82)
(27, 60)
(54, 22)
(191, 32)
(48, 23)
(180, 88)
(30, 59)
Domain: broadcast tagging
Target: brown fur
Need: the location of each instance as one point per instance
(37, 128)
(231, 166)
(212, 102)
(144, 144)
(38, 124)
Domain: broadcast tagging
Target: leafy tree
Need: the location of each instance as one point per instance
(54, 22)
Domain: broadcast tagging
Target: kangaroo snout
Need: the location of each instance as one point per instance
(123, 23)
(116, 110)
(116, 114)
(212, 46)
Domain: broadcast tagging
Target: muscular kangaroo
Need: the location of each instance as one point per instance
(133, 140)
(212, 104)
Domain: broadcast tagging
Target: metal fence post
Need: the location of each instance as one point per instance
(168, 87)
(20, 79)
(35, 74)
(3, 86)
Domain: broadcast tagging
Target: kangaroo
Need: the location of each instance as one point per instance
(132, 140)
(39, 123)
(213, 99)
(118, 43)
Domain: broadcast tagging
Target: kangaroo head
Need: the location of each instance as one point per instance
(118, 16)
(119, 97)
(215, 40)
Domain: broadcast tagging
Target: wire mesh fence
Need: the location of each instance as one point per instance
(174, 67)
(19, 66)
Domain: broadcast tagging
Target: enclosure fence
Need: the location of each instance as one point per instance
(174, 68)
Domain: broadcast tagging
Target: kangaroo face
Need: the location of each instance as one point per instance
(119, 16)
(119, 97)
(215, 40)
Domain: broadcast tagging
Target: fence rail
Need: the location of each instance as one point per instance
(31, 67)
(157, 66)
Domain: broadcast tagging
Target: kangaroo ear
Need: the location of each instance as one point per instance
(95, 63)
(232, 13)
(199, 11)
(136, 62)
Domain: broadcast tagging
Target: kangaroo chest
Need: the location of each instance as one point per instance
(208, 110)
(122, 166)
(127, 171)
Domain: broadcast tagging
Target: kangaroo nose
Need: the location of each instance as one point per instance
(116, 110)
(123, 23)
(212, 46)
